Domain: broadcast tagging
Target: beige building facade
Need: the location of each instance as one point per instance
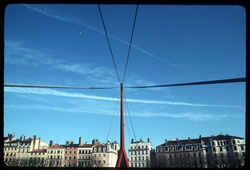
(140, 153)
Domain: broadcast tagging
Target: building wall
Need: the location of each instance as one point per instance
(213, 152)
(84, 156)
(139, 153)
(55, 156)
(70, 155)
(37, 159)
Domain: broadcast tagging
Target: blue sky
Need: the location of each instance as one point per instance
(66, 45)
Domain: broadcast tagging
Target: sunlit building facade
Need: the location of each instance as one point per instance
(204, 152)
(140, 153)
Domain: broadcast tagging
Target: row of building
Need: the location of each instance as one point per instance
(204, 152)
(32, 152)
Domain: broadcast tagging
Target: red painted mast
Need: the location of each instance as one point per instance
(122, 160)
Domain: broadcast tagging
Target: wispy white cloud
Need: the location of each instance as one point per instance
(16, 52)
(109, 111)
(185, 115)
(94, 97)
(85, 68)
(69, 19)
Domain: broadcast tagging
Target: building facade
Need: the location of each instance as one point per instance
(203, 152)
(140, 153)
(17, 152)
(55, 155)
(32, 152)
(104, 155)
(70, 154)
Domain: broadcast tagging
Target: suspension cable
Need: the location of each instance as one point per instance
(131, 38)
(54, 87)
(234, 80)
(108, 42)
(126, 103)
(112, 120)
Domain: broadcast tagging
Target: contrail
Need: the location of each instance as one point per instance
(93, 97)
(77, 21)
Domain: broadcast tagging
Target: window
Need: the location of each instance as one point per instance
(212, 143)
(242, 148)
(131, 159)
(221, 149)
(235, 148)
(214, 149)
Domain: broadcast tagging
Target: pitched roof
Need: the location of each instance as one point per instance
(197, 140)
(14, 141)
(56, 146)
(85, 146)
(225, 137)
(38, 151)
(99, 146)
(26, 140)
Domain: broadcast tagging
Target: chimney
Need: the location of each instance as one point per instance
(200, 137)
(50, 142)
(71, 142)
(22, 137)
(10, 137)
(67, 142)
(80, 140)
(132, 140)
(177, 140)
(34, 142)
(188, 139)
(166, 141)
(148, 140)
(39, 143)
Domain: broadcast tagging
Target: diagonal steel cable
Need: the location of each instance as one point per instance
(110, 49)
(130, 43)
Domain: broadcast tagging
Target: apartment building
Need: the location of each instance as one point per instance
(37, 158)
(10, 150)
(55, 155)
(17, 151)
(70, 154)
(104, 155)
(140, 153)
(84, 154)
(203, 152)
